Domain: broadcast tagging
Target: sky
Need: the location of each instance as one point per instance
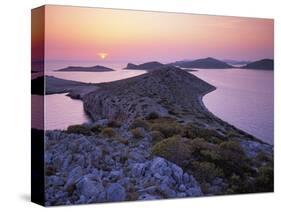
(77, 33)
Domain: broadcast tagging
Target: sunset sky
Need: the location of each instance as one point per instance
(77, 33)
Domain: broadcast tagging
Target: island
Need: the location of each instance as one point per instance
(145, 66)
(151, 137)
(204, 63)
(53, 85)
(96, 68)
(264, 64)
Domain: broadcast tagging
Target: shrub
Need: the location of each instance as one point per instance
(113, 124)
(210, 155)
(96, 129)
(137, 133)
(152, 115)
(206, 171)
(233, 158)
(265, 180)
(167, 129)
(108, 132)
(78, 129)
(123, 141)
(156, 136)
(172, 149)
(192, 131)
(140, 123)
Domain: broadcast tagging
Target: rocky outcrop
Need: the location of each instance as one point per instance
(87, 169)
(205, 63)
(145, 66)
(265, 64)
(167, 91)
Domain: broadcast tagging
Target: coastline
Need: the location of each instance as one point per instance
(132, 138)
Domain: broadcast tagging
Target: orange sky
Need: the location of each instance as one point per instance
(77, 33)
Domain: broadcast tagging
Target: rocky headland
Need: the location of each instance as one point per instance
(265, 64)
(151, 137)
(204, 63)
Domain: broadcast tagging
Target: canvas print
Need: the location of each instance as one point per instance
(139, 105)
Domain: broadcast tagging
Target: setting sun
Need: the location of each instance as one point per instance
(103, 55)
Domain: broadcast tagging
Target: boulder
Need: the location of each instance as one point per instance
(115, 192)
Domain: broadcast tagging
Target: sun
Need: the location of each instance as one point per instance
(103, 55)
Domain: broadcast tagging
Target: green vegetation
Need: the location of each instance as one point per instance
(209, 155)
(192, 131)
(140, 123)
(137, 133)
(173, 149)
(79, 129)
(96, 129)
(206, 171)
(167, 126)
(114, 124)
(156, 136)
(152, 115)
(108, 132)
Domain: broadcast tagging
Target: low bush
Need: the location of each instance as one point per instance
(265, 179)
(140, 123)
(192, 131)
(156, 136)
(114, 124)
(96, 129)
(152, 115)
(137, 133)
(168, 129)
(172, 149)
(78, 129)
(206, 171)
(108, 132)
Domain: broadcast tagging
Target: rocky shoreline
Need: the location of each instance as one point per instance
(152, 138)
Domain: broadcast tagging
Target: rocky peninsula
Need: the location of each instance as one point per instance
(151, 137)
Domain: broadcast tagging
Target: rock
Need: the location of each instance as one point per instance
(115, 192)
(147, 197)
(138, 169)
(167, 191)
(150, 189)
(177, 173)
(181, 195)
(89, 188)
(182, 188)
(115, 175)
(74, 175)
(194, 192)
(158, 165)
(54, 181)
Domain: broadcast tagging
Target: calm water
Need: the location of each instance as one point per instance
(62, 111)
(243, 98)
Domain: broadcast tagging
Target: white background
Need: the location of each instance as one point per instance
(15, 104)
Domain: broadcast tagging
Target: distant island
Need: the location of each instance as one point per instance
(204, 63)
(96, 68)
(265, 64)
(145, 66)
(236, 62)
